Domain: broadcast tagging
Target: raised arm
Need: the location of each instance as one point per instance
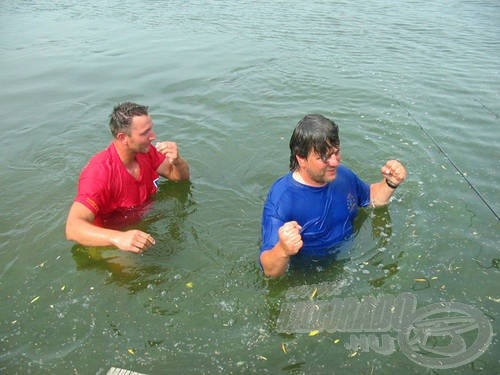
(394, 174)
(174, 167)
(275, 261)
(80, 228)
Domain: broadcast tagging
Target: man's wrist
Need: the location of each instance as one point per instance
(391, 185)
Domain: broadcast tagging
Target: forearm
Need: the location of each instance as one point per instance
(394, 174)
(179, 171)
(274, 262)
(88, 234)
(380, 193)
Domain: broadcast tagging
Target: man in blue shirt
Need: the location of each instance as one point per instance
(309, 212)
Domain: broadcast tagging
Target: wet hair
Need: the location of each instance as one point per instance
(313, 133)
(122, 115)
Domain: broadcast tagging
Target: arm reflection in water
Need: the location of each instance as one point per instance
(165, 218)
(324, 282)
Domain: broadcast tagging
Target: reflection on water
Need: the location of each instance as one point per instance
(120, 268)
(349, 252)
(227, 81)
(164, 219)
(336, 276)
(337, 279)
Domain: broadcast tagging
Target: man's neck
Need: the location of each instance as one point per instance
(298, 176)
(126, 156)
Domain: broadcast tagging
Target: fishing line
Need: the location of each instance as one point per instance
(453, 164)
(486, 108)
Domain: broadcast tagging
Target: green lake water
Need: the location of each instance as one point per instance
(415, 80)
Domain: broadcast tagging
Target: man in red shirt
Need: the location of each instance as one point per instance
(121, 179)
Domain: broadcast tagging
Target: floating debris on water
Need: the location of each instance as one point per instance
(283, 348)
(420, 283)
(314, 293)
(421, 280)
(35, 299)
(313, 333)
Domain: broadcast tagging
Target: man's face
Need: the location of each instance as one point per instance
(318, 171)
(141, 134)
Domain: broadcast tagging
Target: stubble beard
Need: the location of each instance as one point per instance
(322, 178)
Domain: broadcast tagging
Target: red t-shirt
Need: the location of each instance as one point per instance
(106, 187)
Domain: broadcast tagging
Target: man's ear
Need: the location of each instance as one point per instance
(121, 137)
(300, 161)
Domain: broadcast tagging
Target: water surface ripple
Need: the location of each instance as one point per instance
(228, 81)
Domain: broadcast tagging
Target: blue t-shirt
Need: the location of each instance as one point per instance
(325, 213)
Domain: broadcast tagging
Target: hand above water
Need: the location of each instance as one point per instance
(394, 172)
(290, 238)
(169, 149)
(133, 240)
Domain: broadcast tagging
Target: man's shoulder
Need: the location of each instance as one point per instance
(344, 169)
(346, 172)
(282, 183)
(101, 161)
(283, 189)
(350, 180)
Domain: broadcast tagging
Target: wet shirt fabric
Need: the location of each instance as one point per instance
(106, 187)
(326, 213)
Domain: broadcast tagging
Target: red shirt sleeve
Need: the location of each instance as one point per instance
(93, 186)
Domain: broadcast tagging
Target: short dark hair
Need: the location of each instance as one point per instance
(313, 132)
(121, 117)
